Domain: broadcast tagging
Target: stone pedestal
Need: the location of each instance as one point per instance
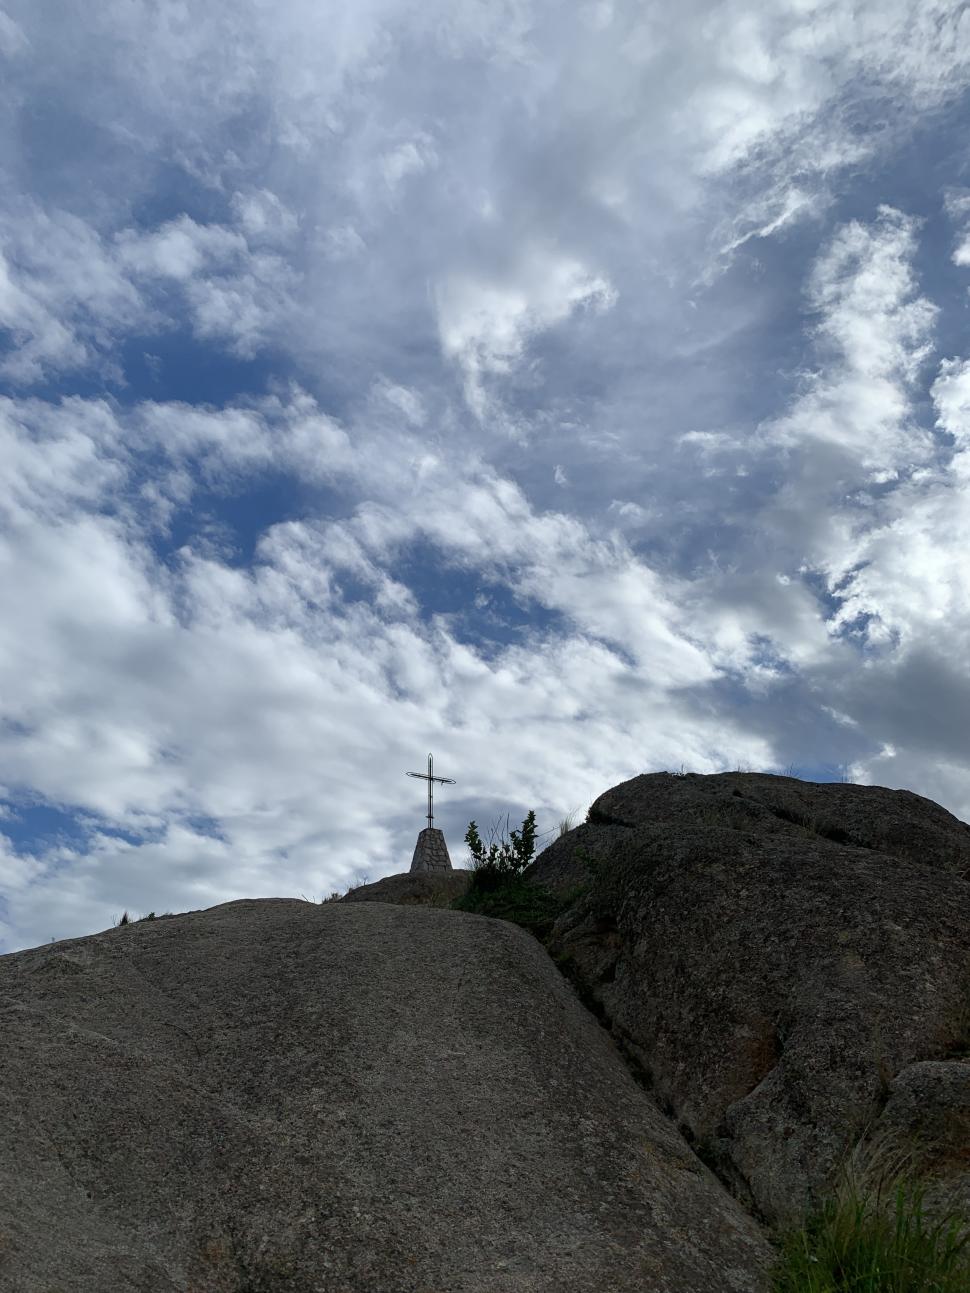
(431, 851)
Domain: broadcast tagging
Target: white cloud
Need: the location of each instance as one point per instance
(179, 250)
(68, 294)
(951, 395)
(408, 158)
(342, 243)
(904, 574)
(54, 457)
(155, 695)
(864, 508)
(486, 325)
(12, 38)
(957, 204)
(598, 220)
(774, 65)
(263, 217)
(62, 296)
(871, 317)
(235, 291)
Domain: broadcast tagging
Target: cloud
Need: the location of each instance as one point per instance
(236, 289)
(903, 575)
(872, 318)
(485, 326)
(409, 158)
(572, 393)
(162, 693)
(263, 218)
(55, 458)
(69, 294)
(12, 38)
(63, 298)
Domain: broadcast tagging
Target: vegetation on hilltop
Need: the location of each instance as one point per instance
(497, 886)
(874, 1235)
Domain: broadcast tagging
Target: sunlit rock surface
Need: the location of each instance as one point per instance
(343, 1097)
(771, 955)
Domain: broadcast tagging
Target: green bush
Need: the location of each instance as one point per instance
(504, 857)
(516, 900)
(498, 888)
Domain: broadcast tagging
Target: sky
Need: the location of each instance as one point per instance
(572, 390)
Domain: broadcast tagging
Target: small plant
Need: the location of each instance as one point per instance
(498, 887)
(566, 824)
(129, 918)
(856, 1244)
(518, 901)
(504, 857)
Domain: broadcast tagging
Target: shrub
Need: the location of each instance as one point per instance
(498, 887)
(505, 856)
(517, 900)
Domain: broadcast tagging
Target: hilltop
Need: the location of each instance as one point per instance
(747, 976)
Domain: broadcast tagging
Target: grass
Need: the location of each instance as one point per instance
(336, 895)
(874, 1235)
(514, 899)
(127, 918)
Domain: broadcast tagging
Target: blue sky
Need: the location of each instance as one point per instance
(570, 390)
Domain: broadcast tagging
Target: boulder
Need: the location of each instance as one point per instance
(771, 955)
(413, 888)
(336, 1098)
(927, 1119)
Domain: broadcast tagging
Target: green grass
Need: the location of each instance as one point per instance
(874, 1236)
(509, 897)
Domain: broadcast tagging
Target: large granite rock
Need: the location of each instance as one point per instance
(927, 1118)
(345, 1098)
(772, 956)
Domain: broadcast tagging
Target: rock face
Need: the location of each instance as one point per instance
(430, 852)
(774, 956)
(344, 1098)
(927, 1114)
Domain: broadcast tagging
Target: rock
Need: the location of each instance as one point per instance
(770, 954)
(927, 1116)
(424, 889)
(336, 1098)
(897, 822)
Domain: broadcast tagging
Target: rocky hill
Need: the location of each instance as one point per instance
(785, 964)
(748, 974)
(345, 1098)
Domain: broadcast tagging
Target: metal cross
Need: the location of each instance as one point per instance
(430, 779)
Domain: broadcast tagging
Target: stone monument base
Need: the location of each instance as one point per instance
(431, 851)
